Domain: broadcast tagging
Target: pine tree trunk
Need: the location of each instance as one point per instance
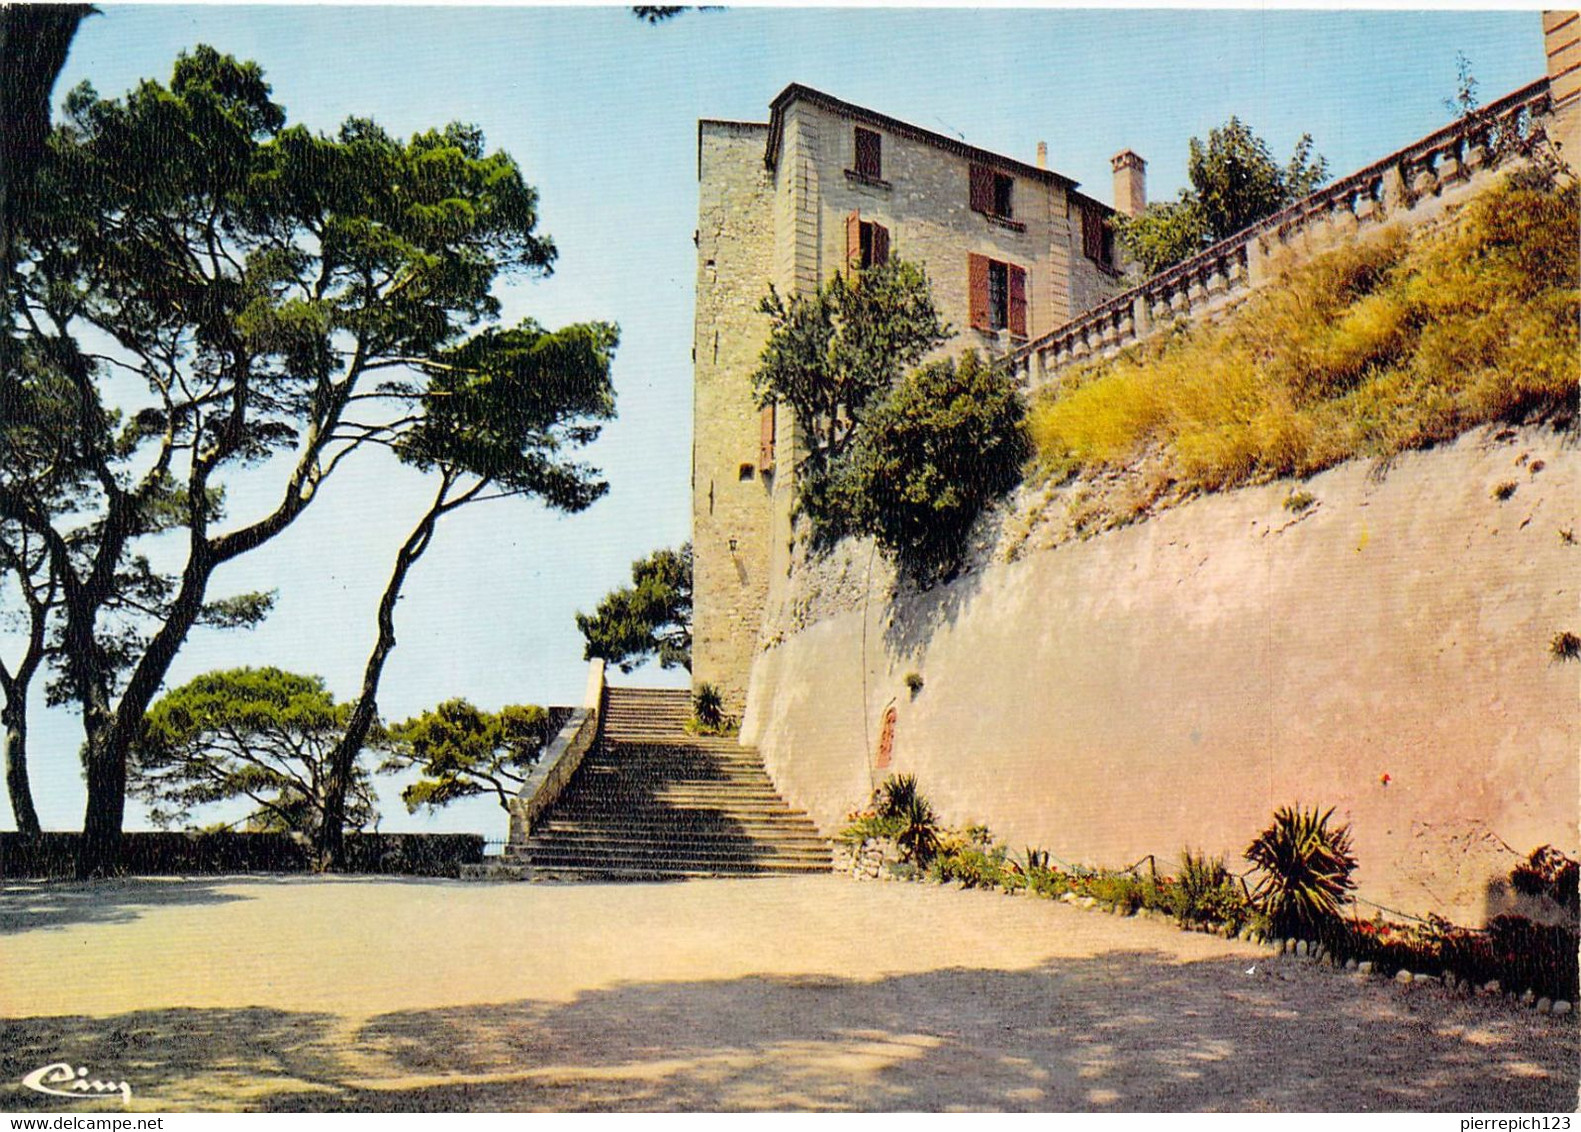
(20, 791)
(331, 834)
(99, 850)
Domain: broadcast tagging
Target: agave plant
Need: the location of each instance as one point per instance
(1305, 869)
(919, 835)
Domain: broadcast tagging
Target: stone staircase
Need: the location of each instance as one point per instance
(654, 802)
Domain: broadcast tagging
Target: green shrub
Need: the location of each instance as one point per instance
(1298, 501)
(708, 707)
(1565, 646)
(1206, 893)
(1123, 891)
(829, 357)
(1518, 952)
(975, 867)
(1548, 872)
(871, 827)
(928, 457)
(1305, 869)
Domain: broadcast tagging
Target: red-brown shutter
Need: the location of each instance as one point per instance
(982, 189)
(1092, 233)
(880, 245)
(977, 290)
(869, 154)
(766, 440)
(886, 740)
(1018, 300)
(853, 242)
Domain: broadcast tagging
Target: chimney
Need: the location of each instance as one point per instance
(1043, 155)
(1130, 183)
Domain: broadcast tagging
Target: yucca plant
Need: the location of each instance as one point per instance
(896, 795)
(1305, 869)
(919, 836)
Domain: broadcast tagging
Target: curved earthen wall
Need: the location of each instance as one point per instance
(1168, 684)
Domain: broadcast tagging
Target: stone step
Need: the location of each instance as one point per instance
(639, 788)
(669, 739)
(699, 822)
(653, 801)
(641, 785)
(789, 835)
(679, 761)
(702, 819)
(677, 756)
(635, 792)
(647, 775)
(606, 874)
(538, 853)
(680, 817)
(645, 771)
(679, 845)
(671, 861)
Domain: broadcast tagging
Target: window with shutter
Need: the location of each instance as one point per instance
(997, 295)
(1004, 196)
(990, 192)
(1017, 321)
(853, 243)
(869, 154)
(1097, 237)
(980, 189)
(880, 246)
(977, 290)
(866, 243)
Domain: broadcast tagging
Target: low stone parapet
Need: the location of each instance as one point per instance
(1411, 184)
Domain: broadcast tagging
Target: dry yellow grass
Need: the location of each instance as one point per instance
(1368, 350)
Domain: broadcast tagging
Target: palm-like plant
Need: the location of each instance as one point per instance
(1305, 868)
(708, 706)
(898, 793)
(919, 835)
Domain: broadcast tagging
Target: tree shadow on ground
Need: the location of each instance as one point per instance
(34, 905)
(41, 905)
(1122, 1031)
(178, 1059)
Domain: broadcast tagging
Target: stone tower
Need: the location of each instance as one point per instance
(1011, 249)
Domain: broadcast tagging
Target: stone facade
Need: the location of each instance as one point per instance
(1562, 45)
(732, 502)
(777, 204)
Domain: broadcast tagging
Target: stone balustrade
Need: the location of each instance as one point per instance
(1443, 162)
(561, 757)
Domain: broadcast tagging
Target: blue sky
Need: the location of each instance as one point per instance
(600, 110)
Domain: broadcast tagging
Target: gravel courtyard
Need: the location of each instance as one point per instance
(811, 993)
